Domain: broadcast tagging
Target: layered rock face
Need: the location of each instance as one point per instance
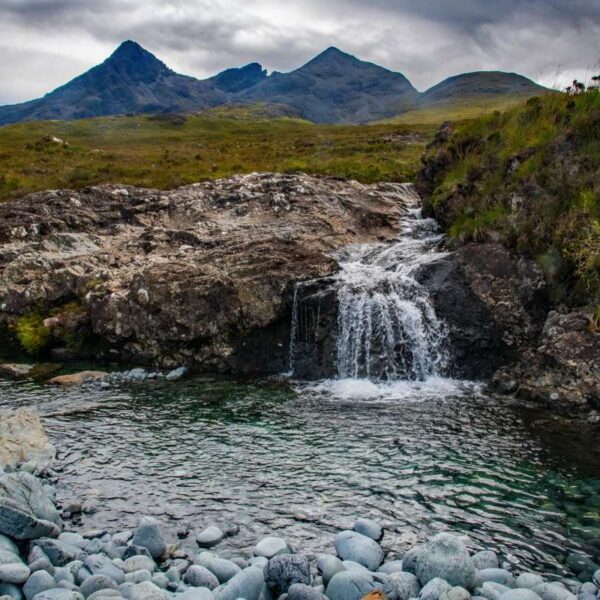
(201, 275)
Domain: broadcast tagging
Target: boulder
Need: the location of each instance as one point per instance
(22, 438)
(270, 547)
(211, 536)
(247, 584)
(301, 591)
(446, 557)
(349, 585)
(434, 589)
(15, 370)
(149, 535)
(78, 378)
(222, 568)
(285, 570)
(328, 565)
(359, 548)
(26, 511)
(486, 559)
(405, 585)
(198, 576)
(369, 528)
(59, 553)
(40, 581)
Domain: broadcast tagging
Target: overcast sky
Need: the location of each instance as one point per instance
(44, 43)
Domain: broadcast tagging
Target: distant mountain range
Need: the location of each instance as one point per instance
(334, 87)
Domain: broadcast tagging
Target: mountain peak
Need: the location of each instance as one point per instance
(129, 49)
(333, 54)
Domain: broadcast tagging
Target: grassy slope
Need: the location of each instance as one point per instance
(144, 151)
(531, 178)
(450, 110)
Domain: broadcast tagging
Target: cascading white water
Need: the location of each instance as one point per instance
(387, 326)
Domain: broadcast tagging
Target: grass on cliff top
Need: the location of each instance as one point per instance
(169, 151)
(531, 178)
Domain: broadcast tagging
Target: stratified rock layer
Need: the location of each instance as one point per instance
(201, 275)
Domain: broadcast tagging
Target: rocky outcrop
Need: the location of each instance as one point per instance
(201, 275)
(502, 328)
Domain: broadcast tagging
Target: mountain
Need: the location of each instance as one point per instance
(334, 87)
(131, 80)
(337, 87)
(481, 84)
(236, 80)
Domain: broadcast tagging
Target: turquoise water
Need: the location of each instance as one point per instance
(306, 460)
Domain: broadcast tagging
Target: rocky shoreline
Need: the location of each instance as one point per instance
(42, 559)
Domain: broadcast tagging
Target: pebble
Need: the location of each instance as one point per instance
(369, 528)
(270, 547)
(211, 536)
(149, 536)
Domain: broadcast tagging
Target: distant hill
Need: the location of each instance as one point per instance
(334, 87)
(481, 84)
(131, 80)
(337, 87)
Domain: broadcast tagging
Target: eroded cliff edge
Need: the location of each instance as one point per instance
(202, 275)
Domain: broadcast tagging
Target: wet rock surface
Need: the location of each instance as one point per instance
(200, 275)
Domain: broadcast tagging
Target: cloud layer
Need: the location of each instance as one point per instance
(44, 43)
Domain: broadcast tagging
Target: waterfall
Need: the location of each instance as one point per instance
(387, 329)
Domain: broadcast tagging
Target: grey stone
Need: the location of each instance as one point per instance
(198, 576)
(11, 591)
(8, 545)
(351, 565)
(74, 539)
(259, 561)
(148, 591)
(369, 528)
(270, 547)
(285, 570)
(65, 573)
(58, 594)
(328, 565)
(222, 568)
(26, 511)
(139, 563)
(149, 535)
(394, 566)
(553, 591)
(301, 591)
(359, 548)
(580, 563)
(409, 560)
(40, 581)
(195, 594)
(519, 594)
(501, 576)
(405, 585)
(160, 579)
(456, 593)
(586, 588)
(122, 537)
(596, 577)
(446, 557)
(97, 582)
(247, 584)
(485, 559)
(133, 550)
(491, 590)
(176, 374)
(211, 536)
(138, 576)
(434, 589)
(528, 580)
(17, 572)
(105, 595)
(59, 553)
(99, 564)
(349, 585)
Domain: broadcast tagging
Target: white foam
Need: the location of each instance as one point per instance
(394, 391)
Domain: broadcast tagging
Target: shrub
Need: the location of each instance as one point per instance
(31, 332)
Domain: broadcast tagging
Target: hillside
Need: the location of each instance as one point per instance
(337, 87)
(131, 80)
(529, 178)
(166, 151)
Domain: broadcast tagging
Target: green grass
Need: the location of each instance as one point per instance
(467, 108)
(529, 177)
(168, 152)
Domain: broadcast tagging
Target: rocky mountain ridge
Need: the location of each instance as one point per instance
(333, 87)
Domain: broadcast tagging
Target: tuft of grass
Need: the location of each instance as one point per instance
(31, 332)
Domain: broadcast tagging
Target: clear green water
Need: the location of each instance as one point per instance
(304, 461)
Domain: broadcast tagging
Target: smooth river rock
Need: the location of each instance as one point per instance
(446, 557)
(359, 548)
(285, 570)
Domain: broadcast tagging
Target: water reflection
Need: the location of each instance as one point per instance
(305, 462)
